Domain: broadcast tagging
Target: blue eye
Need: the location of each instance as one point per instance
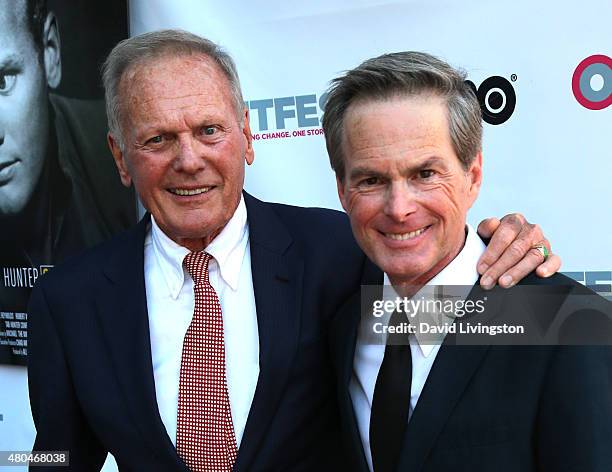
(156, 139)
(208, 130)
(7, 82)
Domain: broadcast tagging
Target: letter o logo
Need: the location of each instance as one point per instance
(497, 99)
(588, 95)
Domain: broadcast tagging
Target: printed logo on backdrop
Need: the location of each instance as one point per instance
(592, 82)
(600, 281)
(497, 98)
(287, 117)
(300, 115)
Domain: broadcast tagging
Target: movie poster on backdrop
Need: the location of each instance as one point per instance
(59, 190)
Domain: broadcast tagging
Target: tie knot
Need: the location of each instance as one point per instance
(196, 264)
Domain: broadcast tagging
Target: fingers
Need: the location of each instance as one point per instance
(549, 267)
(508, 231)
(487, 227)
(526, 265)
(518, 257)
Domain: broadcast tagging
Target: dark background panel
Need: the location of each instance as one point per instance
(88, 31)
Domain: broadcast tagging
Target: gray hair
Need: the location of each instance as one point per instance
(148, 46)
(404, 74)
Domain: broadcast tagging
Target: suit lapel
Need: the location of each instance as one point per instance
(277, 271)
(123, 318)
(344, 342)
(449, 376)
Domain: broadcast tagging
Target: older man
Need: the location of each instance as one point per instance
(199, 338)
(404, 134)
(58, 188)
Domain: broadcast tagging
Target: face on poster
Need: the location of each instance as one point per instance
(23, 108)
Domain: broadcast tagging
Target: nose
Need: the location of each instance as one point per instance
(189, 156)
(400, 201)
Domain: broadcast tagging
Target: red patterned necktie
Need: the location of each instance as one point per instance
(205, 437)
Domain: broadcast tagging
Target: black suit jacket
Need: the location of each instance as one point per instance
(496, 408)
(90, 373)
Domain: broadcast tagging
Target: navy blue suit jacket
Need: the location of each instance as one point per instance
(90, 372)
(496, 408)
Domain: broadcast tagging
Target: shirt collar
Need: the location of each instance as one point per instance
(460, 271)
(229, 247)
(228, 250)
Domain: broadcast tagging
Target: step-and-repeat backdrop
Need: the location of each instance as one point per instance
(542, 70)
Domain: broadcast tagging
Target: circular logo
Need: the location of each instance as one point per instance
(592, 82)
(497, 100)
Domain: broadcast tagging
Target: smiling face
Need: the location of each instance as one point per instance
(184, 146)
(23, 110)
(404, 189)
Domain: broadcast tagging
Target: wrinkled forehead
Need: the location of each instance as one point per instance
(172, 76)
(394, 115)
(184, 88)
(158, 66)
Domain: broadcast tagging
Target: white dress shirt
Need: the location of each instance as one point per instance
(368, 357)
(170, 302)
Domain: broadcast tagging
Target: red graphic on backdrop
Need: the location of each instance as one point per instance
(587, 96)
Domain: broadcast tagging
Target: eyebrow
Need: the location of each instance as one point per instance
(11, 61)
(362, 171)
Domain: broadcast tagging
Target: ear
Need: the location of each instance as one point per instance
(249, 153)
(52, 51)
(122, 167)
(474, 174)
(342, 193)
